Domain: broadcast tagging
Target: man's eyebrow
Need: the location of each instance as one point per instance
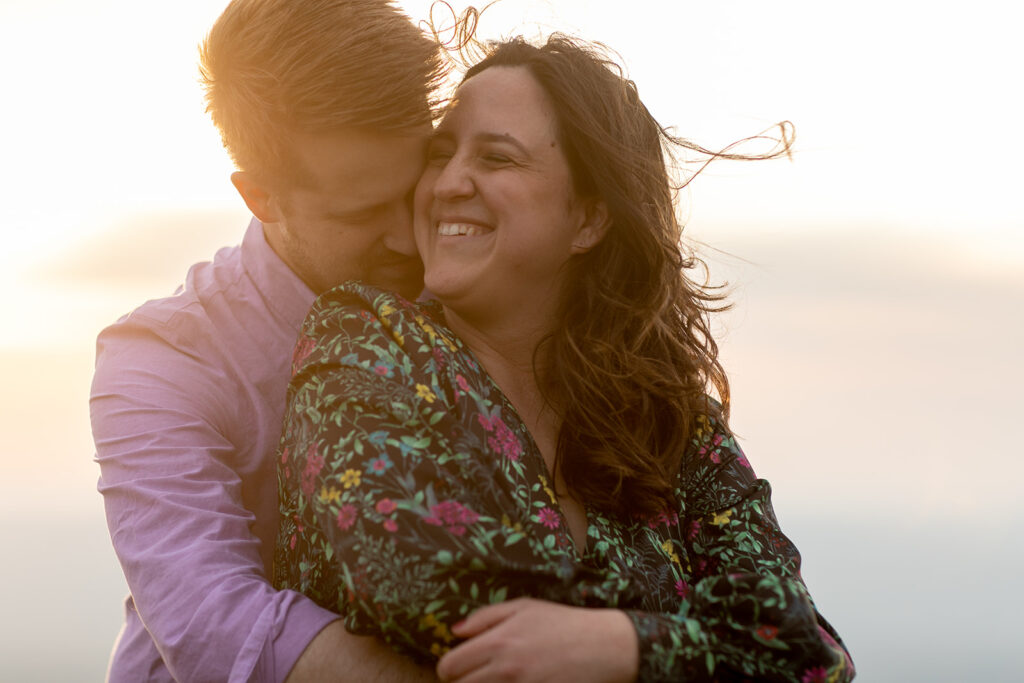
(440, 135)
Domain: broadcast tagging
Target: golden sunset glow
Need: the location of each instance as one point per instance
(878, 276)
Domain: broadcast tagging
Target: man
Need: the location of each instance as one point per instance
(324, 107)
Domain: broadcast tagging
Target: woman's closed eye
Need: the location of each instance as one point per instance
(496, 158)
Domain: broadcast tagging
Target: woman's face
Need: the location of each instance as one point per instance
(496, 217)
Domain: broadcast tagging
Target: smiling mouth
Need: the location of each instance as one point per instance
(460, 229)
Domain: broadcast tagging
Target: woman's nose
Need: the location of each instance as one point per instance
(455, 181)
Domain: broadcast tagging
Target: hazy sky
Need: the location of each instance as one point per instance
(907, 113)
(879, 277)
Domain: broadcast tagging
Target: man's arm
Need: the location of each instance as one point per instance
(337, 656)
(182, 532)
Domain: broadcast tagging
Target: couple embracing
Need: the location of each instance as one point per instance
(446, 411)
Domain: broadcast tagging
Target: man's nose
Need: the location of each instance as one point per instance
(399, 236)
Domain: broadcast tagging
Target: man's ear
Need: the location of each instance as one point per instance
(257, 196)
(596, 222)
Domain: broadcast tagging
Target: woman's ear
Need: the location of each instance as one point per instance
(592, 229)
(257, 196)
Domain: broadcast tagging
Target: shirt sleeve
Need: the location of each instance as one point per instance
(177, 521)
(747, 613)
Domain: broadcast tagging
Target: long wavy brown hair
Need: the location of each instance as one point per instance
(633, 361)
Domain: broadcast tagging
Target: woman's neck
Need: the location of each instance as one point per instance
(507, 348)
(509, 352)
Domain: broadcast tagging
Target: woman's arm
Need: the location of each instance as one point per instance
(744, 611)
(747, 612)
(393, 513)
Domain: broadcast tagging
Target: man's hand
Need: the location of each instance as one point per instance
(528, 640)
(337, 656)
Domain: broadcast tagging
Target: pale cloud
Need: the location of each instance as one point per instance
(148, 252)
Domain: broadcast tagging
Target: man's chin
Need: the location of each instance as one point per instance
(409, 285)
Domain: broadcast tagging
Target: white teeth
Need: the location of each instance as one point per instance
(466, 229)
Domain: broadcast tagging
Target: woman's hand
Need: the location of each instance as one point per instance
(536, 640)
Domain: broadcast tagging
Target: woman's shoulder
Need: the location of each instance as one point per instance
(355, 299)
(714, 467)
(360, 326)
(356, 310)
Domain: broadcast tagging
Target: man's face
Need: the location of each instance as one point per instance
(351, 218)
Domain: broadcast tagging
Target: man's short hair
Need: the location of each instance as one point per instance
(275, 68)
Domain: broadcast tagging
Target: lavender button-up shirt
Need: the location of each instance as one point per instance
(186, 411)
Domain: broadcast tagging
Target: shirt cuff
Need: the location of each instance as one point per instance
(279, 637)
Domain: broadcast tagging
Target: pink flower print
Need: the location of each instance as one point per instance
(452, 515)
(284, 454)
(666, 517)
(461, 381)
(380, 465)
(716, 440)
(715, 456)
(682, 589)
(383, 369)
(386, 506)
(314, 462)
(391, 525)
(501, 439)
(346, 517)
(767, 632)
(548, 518)
(693, 530)
(440, 360)
(743, 462)
(817, 674)
(303, 349)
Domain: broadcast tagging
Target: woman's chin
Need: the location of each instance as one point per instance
(445, 286)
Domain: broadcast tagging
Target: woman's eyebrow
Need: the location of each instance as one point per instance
(503, 137)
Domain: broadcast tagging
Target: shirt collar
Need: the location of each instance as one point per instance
(285, 294)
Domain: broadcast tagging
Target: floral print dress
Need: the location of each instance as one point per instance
(411, 494)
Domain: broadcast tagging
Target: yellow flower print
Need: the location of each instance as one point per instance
(506, 521)
(547, 489)
(387, 309)
(703, 427)
(440, 628)
(722, 518)
(424, 392)
(329, 495)
(351, 478)
(437, 649)
(671, 551)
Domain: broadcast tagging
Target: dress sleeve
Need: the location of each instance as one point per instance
(387, 514)
(177, 519)
(746, 614)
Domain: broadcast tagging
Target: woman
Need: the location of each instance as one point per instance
(542, 429)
